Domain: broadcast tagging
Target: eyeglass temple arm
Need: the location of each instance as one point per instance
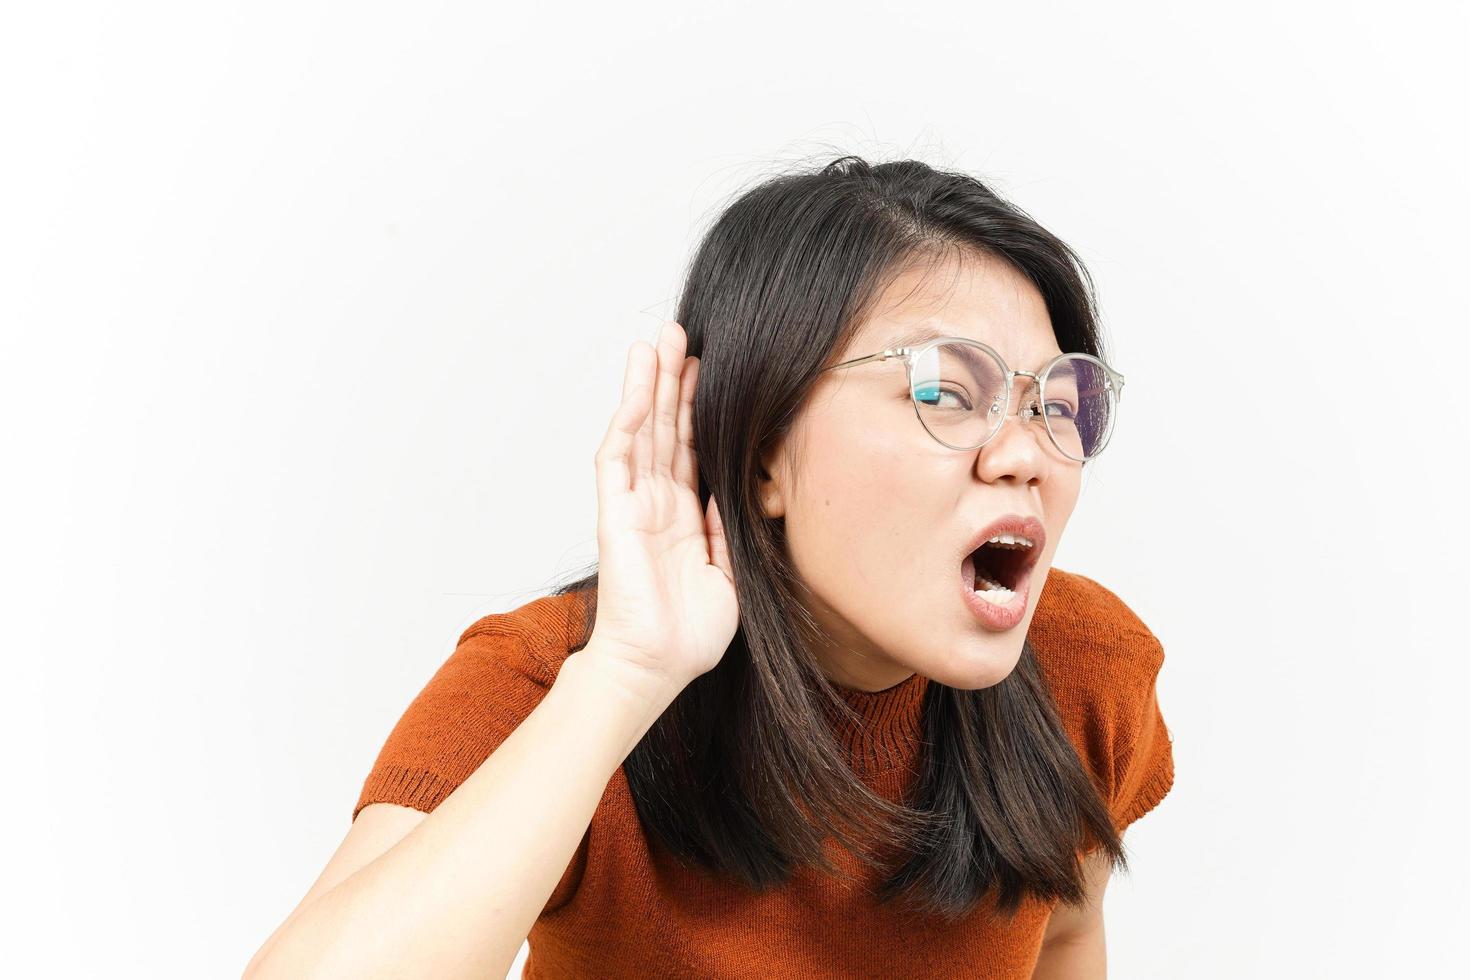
(882, 355)
(1118, 387)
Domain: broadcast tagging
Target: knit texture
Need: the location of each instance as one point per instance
(625, 908)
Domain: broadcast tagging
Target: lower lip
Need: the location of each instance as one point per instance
(996, 617)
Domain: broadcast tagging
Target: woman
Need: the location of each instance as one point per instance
(825, 708)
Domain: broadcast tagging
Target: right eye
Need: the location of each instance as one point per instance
(932, 395)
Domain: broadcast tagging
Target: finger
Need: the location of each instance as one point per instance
(719, 549)
(615, 465)
(641, 462)
(686, 472)
(671, 344)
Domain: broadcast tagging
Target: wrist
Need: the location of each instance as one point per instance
(608, 670)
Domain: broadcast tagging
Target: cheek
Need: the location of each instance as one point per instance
(862, 526)
(1059, 498)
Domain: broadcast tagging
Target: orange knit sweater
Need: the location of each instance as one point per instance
(624, 908)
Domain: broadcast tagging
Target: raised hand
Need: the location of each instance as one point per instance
(666, 601)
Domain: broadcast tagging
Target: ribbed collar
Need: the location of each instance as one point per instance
(889, 728)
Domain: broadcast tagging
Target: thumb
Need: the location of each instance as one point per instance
(719, 550)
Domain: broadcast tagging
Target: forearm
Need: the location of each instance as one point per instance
(457, 896)
(1081, 957)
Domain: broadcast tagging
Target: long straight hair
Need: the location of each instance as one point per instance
(742, 774)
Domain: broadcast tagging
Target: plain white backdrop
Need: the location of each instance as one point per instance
(314, 314)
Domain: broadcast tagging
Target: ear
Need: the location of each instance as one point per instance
(772, 479)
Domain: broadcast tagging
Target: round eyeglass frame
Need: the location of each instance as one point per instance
(1113, 383)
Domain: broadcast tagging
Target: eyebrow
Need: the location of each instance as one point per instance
(913, 337)
(919, 335)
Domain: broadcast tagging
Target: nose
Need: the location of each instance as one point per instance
(1027, 407)
(1026, 401)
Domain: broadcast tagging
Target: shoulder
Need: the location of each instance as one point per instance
(1084, 634)
(532, 640)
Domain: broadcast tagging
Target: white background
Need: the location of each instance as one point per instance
(285, 289)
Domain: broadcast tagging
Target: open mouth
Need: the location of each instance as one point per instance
(1000, 565)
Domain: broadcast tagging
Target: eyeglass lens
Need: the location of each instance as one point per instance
(960, 391)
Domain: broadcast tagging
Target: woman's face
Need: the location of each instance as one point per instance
(879, 516)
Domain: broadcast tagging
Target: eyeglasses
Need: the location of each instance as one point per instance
(961, 390)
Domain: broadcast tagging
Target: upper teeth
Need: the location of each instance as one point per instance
(1012, 541)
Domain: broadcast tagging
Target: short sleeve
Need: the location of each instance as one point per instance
(1145, 768)
(1102, 665)
(489, 684)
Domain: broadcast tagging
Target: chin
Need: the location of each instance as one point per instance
(983, 664)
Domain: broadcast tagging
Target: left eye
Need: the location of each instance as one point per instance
(1066, 410)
